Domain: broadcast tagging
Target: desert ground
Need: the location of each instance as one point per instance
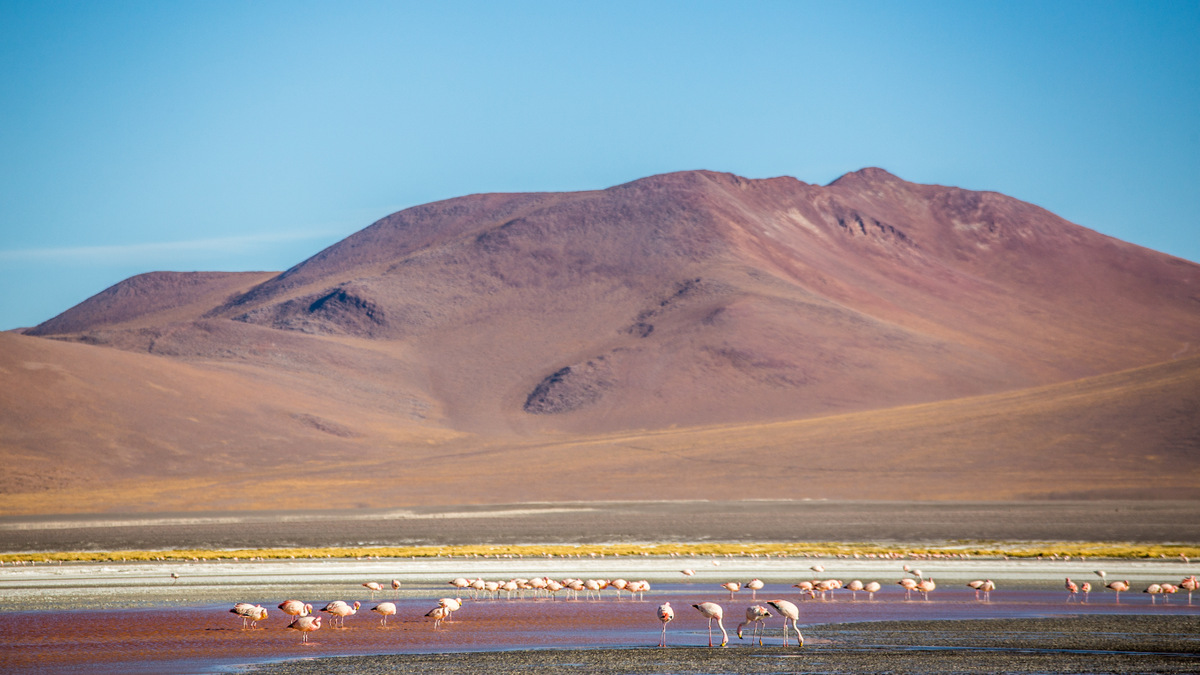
(598, 522)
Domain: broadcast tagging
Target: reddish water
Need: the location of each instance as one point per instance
(206, 639)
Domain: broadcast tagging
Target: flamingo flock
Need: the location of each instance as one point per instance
(305, 621)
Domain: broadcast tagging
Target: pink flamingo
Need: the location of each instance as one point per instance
(732, 587)
(755, 585)
(251, 614)
(340, 610)
(386, 609)
(438, 614)
(1119, 586)
(1072, 589)
(925, 586)
(854, 587)
(712, 610)
(1085, 588)
(374, 587)
(755, 617)
(791, 613)
(909, 586)
(295, 608)
(871, 588)
(665, 615)
(306, 625)
(1189, 584)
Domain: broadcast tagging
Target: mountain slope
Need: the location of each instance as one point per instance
(92, 430)
(521, 325)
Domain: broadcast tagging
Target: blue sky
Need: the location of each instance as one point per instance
(141, 136)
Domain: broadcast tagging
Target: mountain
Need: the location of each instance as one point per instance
(483, 326)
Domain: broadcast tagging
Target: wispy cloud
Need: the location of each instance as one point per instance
(115, 253)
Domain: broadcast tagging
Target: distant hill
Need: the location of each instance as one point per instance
(493, 329)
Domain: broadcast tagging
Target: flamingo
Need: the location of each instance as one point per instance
(732, 587)
(806, 587)
(854, 587)
(871, 588)
(174, 577)
(374, 587)
(396, 586)
(438, 614)
(1072, 589)
(987, 588)
(386, 609)
(1100, 573)
(1086, 588)
(688, 572)
(977, 584)
(755, 585)
(1169, 590)
(665, 615)
(909, 585)
(1118, 586)
(925, 586)
(620, 585)
(817, 568)
(306, 625)
(1153, 590)
(452, 605)
(791, 613)
(712, 610)
(1189, 584)
(755, 617)
(340, 610)
(251, 614)
(295, 608)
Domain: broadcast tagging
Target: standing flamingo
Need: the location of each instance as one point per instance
(987, 588)
(452, 605)
(755, 617)
(1072, 589)
(1118, 586)
(688, 572)
(295, 608)
(977, 584)
(1086, 588)
(251, 614)
(732, 587)
(665, 615)
(396, 587)
(909, 585)
(755, 585)
(871, 588)
(340, 610)
(386, 609)
(438, 614)
(854, 587)
(712, 610)
(1189, 584)
(791, 613)
(1153, 590)
(925, 586)
(374, 587)
(306, 625)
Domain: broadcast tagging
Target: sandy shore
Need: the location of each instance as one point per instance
(595, 522)
(1094, 644)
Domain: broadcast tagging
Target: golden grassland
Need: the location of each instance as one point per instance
(1112, 550)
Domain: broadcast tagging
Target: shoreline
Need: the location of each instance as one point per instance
(1086, 644)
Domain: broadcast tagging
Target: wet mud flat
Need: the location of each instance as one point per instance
(1081, 644)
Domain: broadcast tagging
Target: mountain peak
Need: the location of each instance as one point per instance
(867, 176)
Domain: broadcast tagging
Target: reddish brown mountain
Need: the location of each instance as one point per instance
(675, 301)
